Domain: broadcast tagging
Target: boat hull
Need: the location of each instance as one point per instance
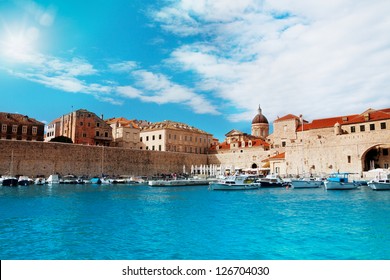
(177, 183)
(232, 187)
(10, 182)
(329, 185)
(379, 186)
(305, 184)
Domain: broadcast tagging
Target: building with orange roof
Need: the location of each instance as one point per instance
(125, 133)
(82, 126)
(20, 127)
(352, 143)
(242, 151)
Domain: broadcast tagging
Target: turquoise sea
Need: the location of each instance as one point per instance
(123, 222)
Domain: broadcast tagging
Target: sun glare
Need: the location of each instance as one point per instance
(19, 45)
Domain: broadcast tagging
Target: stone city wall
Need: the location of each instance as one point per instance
(45, 158)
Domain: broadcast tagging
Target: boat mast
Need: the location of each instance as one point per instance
(302, 159)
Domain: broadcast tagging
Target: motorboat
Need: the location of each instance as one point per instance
(24, 181)
(272, 181)
(40, 180)
(235, 182)
(305, 183)
(339, 181)
(380, 182)
(9, 181)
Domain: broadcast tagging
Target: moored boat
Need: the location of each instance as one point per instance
(235, 182)
(177, 182)
(272, 181)
(24, 181)
(381, 182)
(9, 181)
(339, 181)
(305, 183)
(53, 179)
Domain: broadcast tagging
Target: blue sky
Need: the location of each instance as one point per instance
(206, 63)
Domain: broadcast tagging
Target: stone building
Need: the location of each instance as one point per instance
(125, 133)
(20, 127)
(353, 143)
(83, 127)
(242, 151)
(173, 136)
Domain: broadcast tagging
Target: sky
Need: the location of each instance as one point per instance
(207, 63)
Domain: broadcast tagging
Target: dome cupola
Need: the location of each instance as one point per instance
(259, 118)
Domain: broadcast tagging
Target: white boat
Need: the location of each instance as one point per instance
(24, 181)
(53, 179)
(178, 182)
(40, 181)
(235, 182)
(305, 183)
(272, 181)
(339, 181)
(381, 182)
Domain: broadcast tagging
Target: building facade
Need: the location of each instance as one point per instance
(20, 127)
(83, 127)
(354, 143)
(242, 151)
(173, 136)
(125, 133)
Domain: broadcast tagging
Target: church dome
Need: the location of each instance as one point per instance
(259, 118)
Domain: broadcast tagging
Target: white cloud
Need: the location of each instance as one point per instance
(290, 56)
(124, 66)
(157, 88)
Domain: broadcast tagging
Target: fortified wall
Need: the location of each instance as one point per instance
(45, 158)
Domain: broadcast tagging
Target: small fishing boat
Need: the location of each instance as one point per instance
(235, 182)
(339, 181)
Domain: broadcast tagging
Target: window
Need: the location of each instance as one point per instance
(84, 135)
(34, 130)
(4, 128)
(349, 159)
(98, 124)
(140, 139)
(159, 136)
(362, 128)
(283, 143)
(385, 152)
(97, 133)
(159, 147)
(81, 123)
(372, 126)
(153, 137)
(353, 129)
(386, 166)
(383, 125)
(153, 148)
(24, 129)
(105, 134)
(147, 138)
(14, 128)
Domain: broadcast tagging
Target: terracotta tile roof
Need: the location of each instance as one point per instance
(18, 118)
(287, 117)
(123, 121)
(367, 116)
(276, 157)
(226, 146)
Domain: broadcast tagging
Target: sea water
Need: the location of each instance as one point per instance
(103, 222)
